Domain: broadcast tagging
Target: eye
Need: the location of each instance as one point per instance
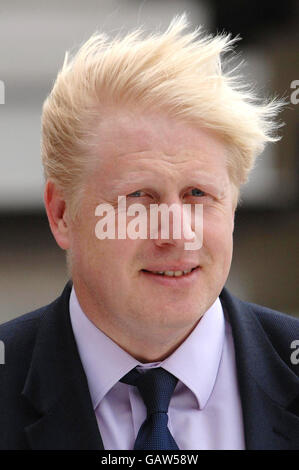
(197, 192)
(137, 194)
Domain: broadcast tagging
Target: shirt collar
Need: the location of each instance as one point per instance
(195, 362)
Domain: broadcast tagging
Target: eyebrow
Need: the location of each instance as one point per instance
(211, 183)
(205, 180)
(131, 179)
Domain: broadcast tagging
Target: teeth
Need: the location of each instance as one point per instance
(173, 273)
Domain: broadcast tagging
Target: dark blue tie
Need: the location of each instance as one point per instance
(156, 387)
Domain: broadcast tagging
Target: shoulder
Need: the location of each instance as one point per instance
(20, 331)
(16, 333)
(255, 324)
(276, 324)
(24, 338)
(281, 329)
(18, 337)
(272, 321)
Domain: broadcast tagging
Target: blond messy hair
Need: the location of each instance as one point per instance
(180, 72)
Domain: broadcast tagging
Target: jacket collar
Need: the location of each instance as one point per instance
(268, 387)
(56, 385)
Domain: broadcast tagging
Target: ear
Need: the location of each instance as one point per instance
(236, 192)
(233, 223)
(57, 215)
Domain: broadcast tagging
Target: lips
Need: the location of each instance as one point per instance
(179, 281)
(170, 272)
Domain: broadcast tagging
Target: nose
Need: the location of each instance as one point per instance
(177, 224)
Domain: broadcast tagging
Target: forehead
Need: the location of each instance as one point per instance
(132, 143)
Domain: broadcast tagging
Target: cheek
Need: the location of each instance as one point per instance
(217, 234)
(113, 257)
(85, 248)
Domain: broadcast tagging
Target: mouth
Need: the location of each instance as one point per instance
(174, 279)
(172, 273)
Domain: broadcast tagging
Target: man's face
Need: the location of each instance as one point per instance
(153, 159)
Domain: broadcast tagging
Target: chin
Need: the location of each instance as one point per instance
(176, 318)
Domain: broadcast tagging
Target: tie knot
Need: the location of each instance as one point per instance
(156, 387)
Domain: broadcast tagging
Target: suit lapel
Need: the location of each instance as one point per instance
(268, 387)
(57, 388)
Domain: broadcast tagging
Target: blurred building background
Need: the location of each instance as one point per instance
(34, 36)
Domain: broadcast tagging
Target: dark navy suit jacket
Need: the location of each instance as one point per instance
(45, 401)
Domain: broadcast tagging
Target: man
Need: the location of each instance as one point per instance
(146, 348)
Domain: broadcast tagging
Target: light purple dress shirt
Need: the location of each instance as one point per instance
(205, 410)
